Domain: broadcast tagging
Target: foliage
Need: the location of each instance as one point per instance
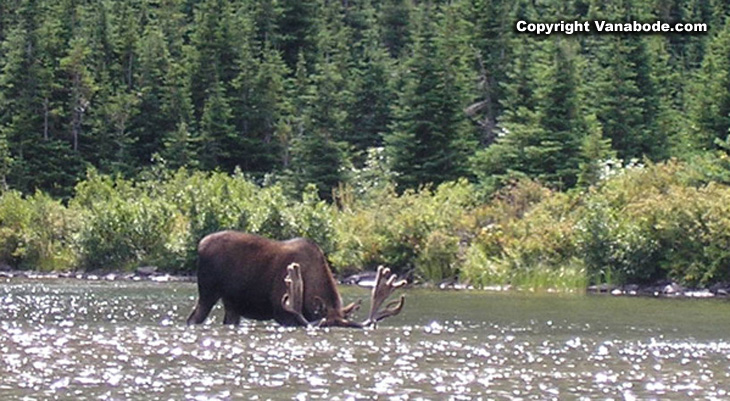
(36, 232)
(358, 124)
(639, 224)
(304, 89)
(414, 233)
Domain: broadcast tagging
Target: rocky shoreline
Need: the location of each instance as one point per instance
(662, 289)
(665, 289)
(145, 273)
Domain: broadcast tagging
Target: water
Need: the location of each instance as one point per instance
(97, 340)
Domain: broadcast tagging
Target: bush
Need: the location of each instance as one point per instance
(692, 229)
(439, 257)
(168, 216)
(36, 232)
(394, 230)
(654, 223)
(643, 224)
(119, 234)
(527, 241)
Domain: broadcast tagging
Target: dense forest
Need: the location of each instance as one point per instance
(311, 91)
(429, 136)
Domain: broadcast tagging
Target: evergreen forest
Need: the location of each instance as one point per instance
(130, 129)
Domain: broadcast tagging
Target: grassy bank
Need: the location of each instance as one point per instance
(643, 224)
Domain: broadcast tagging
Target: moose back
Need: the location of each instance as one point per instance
(288, 281)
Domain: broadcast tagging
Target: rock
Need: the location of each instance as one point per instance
(672, 289)
(720, 289)
(364, 279)
(631, 288)
(601, 288)
(145, 271)
(704, 293)
(161, 279)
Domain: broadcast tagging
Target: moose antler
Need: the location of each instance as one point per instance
(293, 300)
(385, 284)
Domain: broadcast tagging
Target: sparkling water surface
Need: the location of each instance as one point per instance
(118, 340)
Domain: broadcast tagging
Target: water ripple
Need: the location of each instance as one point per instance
(112, 341)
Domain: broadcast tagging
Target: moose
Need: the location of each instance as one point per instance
(288, 281)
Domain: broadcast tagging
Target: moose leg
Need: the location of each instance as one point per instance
(202, 309)
(231, 316)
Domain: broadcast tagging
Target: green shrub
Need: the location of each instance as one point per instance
(120, 233)
(438, 259)
(393, 230)
(36, 232)
(645, 223)
(616, 247)
(692, 229)
(527, 241)
(14, 221)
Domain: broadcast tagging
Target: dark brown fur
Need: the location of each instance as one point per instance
(247, 272)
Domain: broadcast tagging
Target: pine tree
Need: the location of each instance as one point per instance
(431, 138)
(213, 58)
(395, 17)
(595, 152)
(154, 120)
(560, 118)
(628, 109)
(258, 104)
(179, 148)
(318, 154)
(39, 159)
(542, 134)
(216, 132)
(103, 63)
(6, 162)
(710, 92)
(296, 30)
(625, 95)
(370, 112)
(491, 32)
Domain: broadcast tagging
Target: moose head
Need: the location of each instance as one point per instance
(385, 284)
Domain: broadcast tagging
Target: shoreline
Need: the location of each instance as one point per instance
(666, 289)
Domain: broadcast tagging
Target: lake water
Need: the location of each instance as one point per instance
(119, 340)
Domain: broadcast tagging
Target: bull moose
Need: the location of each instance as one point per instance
(288, 281)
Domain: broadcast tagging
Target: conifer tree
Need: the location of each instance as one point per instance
(318, 153)
(628, 98)
(710, 99)
(154, 120)
(297, 30)
(370, 112)
(542, 135)
(491, 32)
(216, 132)
(41, 157)
(212, 57)
(258, 105)
(179, 148)
(395, 17)
(431, 138)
